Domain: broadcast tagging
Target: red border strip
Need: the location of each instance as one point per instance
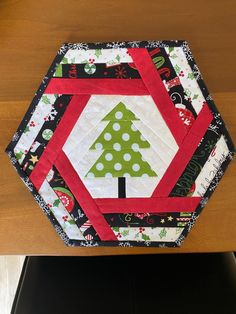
(97, 86)
(184, 153)
(154, 84)
(80, 192)
(147, 205)
(58, 139)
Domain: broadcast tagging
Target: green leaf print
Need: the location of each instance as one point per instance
(26, 129)
(116, 229)
(191, 76)
(185, 214)
(125, 233)
(177, 68)
(178, 230)
(19, 155)
(72, 222)
(64, 60)
(145, 237)
(45, 99)
(58, 72)
(187, 92)
(195, 96)
(56, 203)
(98, 52)
(118, 58)
(171, 49)
(162, 233)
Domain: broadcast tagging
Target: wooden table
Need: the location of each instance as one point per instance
(32, 31)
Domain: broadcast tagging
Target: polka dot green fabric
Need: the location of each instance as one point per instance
(120, 142)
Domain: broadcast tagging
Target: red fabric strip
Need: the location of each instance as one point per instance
(154, 84)
(147, 205)
(96, 86)
(80, 192)
(58, 139)
(184, 153)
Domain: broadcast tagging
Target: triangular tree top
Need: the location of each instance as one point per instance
(120, 131)
(120, 112)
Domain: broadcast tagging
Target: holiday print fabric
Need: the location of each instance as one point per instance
(122, 144)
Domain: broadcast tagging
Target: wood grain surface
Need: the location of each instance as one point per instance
(31, 33)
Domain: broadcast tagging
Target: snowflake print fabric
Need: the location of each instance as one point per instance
(122, 144)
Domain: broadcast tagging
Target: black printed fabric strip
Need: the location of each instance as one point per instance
(185, 185)
(70, 203)
(46, 132)
(148, 220)
(198, 76)
(172, 81)
(208, 193)
(99, 70)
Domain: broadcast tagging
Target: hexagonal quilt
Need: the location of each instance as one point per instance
(122, 144)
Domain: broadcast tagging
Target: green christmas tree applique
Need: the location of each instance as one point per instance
(120, 142)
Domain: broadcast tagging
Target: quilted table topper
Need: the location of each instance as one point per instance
(122, 144)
